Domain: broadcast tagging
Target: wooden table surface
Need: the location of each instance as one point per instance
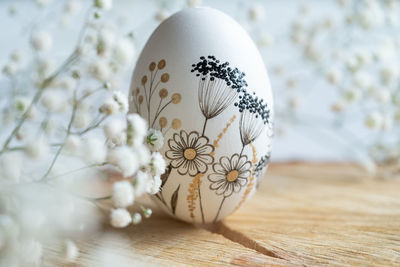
(303, 214)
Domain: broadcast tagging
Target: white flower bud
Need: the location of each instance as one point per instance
(266, 39)
(136, 218)
(114, 128)
(122, 101)
(41, 41)
(193, 3)
(157, 164)
(153, 185)
(10, 69)
(120, 218)
(54, 100)
(125, 159)
(161, 15)
(256, 12)
(137, 129)
(103, 4)
(124, 51)
(334, 76)
(140, 183)
(352, 95)
(82, 119)
(37, 148)
(71, 251)
(100, 70)
(155, 139)
(123, 194)
(374, 120)
(73, 144)
(95, 151)
(72, 6)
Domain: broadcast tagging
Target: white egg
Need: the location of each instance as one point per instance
(201, 81)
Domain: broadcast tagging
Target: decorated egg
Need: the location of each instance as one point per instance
(201, 81)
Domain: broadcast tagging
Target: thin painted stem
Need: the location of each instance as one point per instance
(204, 127)
(201, 206)
(219, 210)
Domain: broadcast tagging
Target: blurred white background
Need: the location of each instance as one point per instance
(298, 89)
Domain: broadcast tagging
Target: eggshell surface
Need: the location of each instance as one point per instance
(201, 81)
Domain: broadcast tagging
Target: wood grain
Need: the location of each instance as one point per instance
(303, 214)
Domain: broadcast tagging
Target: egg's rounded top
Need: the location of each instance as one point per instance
(194, 32)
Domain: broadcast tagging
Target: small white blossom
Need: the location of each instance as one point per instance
(161, 15)
(120, 218)
(140, 183)
(10, 69)
(100, 70)
(362, 79)
(374, 120)
(387, 122)
(123, 194)
(125, 159)
(46, 66)
(114, 128)
(73, 143)
(334, 76)
(136, 218)
(193, 3)
(43, 3)
(54, 100)
(82, 119)
(31, 252)
(71, 251)
(157, 163)
(266, 39)
(153, 186)
(42, 41)
(37, 148)
(256, 12)
(124, 51)
(103, 4)
(73, 6)
(21, 103)
(352, 95)
(122, 100)
(155, 139)
(109, 106)
(136, 130)
(95, 151)
(11, 166)
(143, 154)
(383, 96)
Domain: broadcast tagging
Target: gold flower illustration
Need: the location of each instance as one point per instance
(190, 153)
(230, 175)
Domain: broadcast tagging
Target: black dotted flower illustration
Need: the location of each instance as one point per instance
(230, 175)
(250, 127)
(219, 86)
(190, 153)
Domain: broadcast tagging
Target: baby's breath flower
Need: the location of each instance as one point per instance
(41, 41)
(21, 103)
(37, 148)
(71, 251)
(374, 120)
(136, 218)
(11, 167)
(109, 107)
(10, 69)
(54, 100)
(122, 100)
(155, 139)
(123, 194)
(72, 6)
(193, 3)
(73, 143)
(256, 12)
(125, 159)
(103, 4)
(136, 129)
(153, 185)
(140, 182)
(114, 128)
(157, 163)
(161, 15)
(124, 51)
(147, 212)
(82, 119)
(100, 70)
(143, 154)
(120, 218)
(94, 150)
